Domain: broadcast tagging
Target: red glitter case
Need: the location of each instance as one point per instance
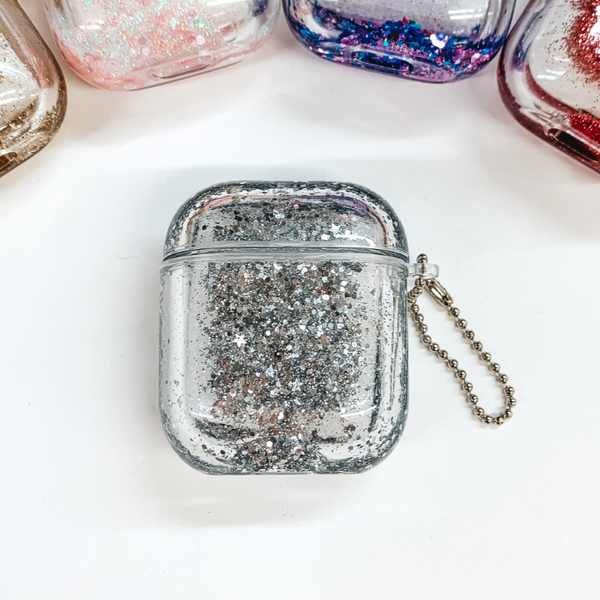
(549, 75)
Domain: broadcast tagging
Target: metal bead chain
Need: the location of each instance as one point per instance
(439, 293)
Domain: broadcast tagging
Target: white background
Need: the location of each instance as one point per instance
(94, 503)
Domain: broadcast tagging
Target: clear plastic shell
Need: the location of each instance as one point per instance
(283, 342)
(549, 75)
(435, 41)
(134, 44)
(32, 90)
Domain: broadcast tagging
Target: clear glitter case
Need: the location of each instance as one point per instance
(549, 75)
(134, 44)
(32, 90)
(435, 41)
(283, 343)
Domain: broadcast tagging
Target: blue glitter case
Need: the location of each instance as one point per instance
(435, 41)
(283, 342)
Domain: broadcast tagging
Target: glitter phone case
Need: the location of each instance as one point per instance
(134, 44)
(434, 41)
(549, 75)
(32, 90)
(283, 342)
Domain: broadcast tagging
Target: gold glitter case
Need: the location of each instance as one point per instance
(283, 343)
(33, 96)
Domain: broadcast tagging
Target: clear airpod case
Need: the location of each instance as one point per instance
(283, 341)
(134, 44)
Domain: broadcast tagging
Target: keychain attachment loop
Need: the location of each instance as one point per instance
(425, 278)
(438, 292)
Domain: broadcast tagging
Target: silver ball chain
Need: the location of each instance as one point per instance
(439, 293)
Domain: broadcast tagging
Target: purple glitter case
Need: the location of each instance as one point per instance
(435, 41)
(283, 343)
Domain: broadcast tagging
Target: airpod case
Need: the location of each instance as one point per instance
(283, 336)
(134, 44)
(33, 97)
(427, 40)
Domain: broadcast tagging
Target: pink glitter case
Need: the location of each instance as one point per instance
(549, 75)
(135, 44)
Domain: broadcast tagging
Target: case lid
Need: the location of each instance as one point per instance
(295, 215)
